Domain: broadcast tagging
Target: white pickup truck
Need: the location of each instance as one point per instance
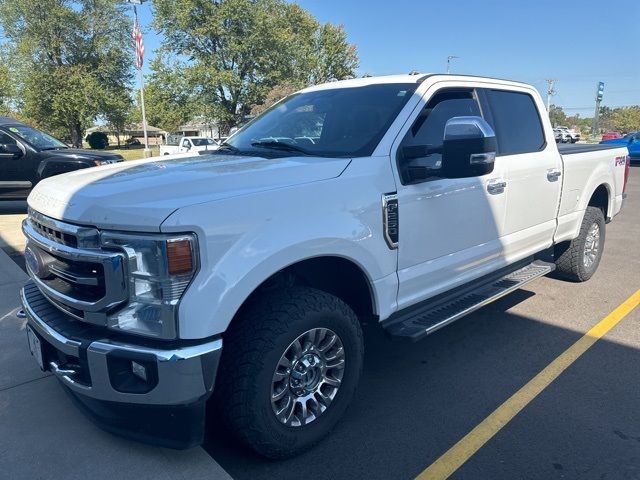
(188, 145)
(241, 277)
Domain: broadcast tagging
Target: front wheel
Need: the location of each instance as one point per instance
(578, 260)
(290, 366)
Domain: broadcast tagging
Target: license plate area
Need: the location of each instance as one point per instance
(35, 347)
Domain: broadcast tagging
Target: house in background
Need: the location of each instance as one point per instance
(199, 128)
(155, 135)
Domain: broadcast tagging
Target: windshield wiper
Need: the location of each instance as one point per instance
(228, 146)
(54, 148)
(281, 146)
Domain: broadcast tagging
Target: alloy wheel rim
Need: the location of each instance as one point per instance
(591, 246)
(307, 377)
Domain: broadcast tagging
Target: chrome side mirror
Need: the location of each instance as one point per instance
(469, 147)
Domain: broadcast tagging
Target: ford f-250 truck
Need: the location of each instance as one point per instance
(242, 277)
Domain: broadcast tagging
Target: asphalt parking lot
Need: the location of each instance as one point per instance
(417, 400)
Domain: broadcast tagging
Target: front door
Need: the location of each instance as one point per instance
(16, 173)
(450, 229)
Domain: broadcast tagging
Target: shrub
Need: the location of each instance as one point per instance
(98, 140)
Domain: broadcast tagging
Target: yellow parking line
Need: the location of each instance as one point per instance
(457, 455)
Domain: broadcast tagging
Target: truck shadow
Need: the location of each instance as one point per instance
(416, 400)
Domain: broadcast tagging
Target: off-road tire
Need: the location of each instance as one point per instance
(570, 255)
(251, 350)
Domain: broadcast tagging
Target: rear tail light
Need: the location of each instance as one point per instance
(627, 166)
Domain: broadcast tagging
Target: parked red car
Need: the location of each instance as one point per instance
(611, 135)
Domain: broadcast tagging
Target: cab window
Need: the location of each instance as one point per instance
(426, 135)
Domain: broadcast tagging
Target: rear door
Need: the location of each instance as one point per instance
(533, 169)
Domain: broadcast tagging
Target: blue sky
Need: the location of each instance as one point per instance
(576, 43)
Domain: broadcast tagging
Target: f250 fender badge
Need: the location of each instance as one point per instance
(390, 219)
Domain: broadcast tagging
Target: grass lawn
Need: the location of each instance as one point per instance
(135, 153)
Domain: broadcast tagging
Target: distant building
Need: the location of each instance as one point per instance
(155, 135)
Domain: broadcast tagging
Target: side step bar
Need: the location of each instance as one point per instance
(438, 313)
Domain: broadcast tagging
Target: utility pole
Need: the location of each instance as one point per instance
(550, 92)
(596, 115)
(449, 58)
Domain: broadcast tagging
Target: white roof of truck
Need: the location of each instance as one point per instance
(406, 78)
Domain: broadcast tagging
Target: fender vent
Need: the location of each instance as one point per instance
(390, 219)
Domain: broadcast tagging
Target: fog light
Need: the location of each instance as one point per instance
(139, 371)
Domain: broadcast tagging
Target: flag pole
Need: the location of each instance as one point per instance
(147, 150)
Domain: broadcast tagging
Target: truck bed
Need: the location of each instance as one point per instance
(569, 148)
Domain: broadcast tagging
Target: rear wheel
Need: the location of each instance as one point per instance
(579, 259)
(290, 366)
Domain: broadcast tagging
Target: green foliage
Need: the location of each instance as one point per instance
(236, 51)
(5, 90)
(98, 140)
(167, 94)
(73, 59)
(557, 116)
(626, 119)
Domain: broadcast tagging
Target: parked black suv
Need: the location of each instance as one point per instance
(28, 155)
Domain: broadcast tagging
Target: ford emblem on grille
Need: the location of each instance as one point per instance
(35, 263)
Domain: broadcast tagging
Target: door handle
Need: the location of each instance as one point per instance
(495, 187)
(553, 174)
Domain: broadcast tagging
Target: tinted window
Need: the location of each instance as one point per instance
(38, 139)
(6, 139)
(516, 122)
(340, 122)
(428, 128)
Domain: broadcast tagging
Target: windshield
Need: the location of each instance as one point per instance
(338, 122)
(38, 139)
(198, 142)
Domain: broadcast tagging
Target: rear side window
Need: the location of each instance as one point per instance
(516, 122)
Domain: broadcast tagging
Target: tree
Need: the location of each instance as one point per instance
(557, 115)
(5, 90)
(626, 119)
(335, 57)
(167, 94)
(98, 140)
(74, 57)
(236, 51)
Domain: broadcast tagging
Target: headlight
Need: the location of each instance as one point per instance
(105, 162)
(160, 269)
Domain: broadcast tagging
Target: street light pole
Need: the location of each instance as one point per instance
(449, 58)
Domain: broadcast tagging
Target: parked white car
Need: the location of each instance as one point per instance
(572, 135)
(387, 200)
(189, 145)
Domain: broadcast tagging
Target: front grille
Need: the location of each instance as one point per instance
(54, 234)
(71, 271)
(77, 279)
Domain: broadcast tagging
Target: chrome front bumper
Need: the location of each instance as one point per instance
(181, 375)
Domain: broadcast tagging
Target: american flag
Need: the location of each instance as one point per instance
(137, 36)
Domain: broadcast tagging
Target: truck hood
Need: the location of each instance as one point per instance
(140, 195)
(82, 154)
